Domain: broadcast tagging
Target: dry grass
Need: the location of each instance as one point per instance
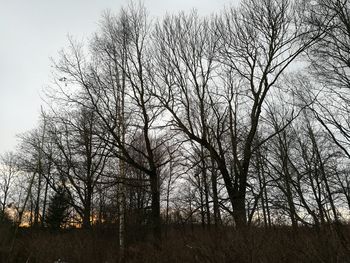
(182, 244)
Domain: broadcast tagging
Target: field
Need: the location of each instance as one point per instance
(181, 244)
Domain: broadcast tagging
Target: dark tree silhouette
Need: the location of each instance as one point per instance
(58, 210)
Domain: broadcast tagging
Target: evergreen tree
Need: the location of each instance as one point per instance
(58, 213)
(5, 218)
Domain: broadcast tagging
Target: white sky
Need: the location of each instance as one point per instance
(33, 31)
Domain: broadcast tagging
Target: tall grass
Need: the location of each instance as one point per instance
(182, 244)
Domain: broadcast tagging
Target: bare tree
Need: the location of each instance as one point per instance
(225, 70)
(119, 68)
(79, 158)
(9, 169)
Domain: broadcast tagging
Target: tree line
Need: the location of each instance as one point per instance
(239, 118)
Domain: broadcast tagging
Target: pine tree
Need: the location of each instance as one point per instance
(58, 213)
(5, 218)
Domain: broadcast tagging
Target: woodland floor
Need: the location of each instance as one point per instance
(180, 244)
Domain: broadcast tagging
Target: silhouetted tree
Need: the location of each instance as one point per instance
(58, 210)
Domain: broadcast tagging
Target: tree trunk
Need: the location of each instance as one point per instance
(156, 221)
(239, 211)
(206, 190)
(44, 205)
(37, 201)
(87, 208)
(217, 217)
(87, 214)
(168, 197)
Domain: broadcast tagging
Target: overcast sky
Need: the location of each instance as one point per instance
(33, 31)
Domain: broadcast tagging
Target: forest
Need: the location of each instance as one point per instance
(221, 138)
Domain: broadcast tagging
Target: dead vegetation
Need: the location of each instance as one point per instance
(183, 244)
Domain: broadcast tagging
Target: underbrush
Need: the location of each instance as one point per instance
(180, 244)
